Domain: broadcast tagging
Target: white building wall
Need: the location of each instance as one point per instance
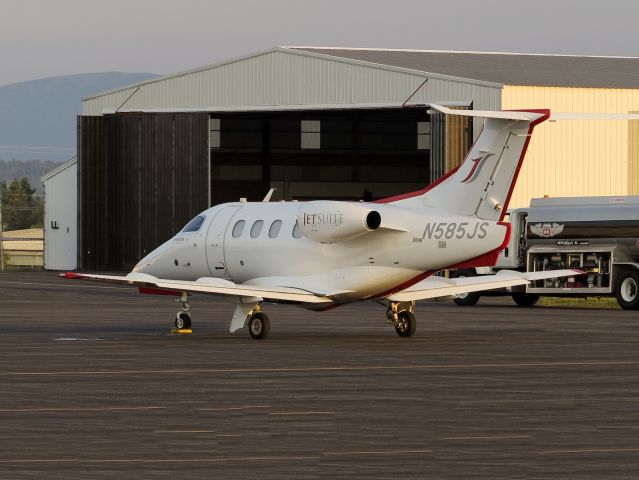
(61, 210)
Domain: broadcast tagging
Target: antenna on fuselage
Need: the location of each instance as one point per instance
(268, 196)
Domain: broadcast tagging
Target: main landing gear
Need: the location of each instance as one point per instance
(259, 325)
(401, 316)
(251, 315)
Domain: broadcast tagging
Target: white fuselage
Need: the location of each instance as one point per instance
(408, 245)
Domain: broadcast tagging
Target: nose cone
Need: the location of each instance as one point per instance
(156, 263)
(181, 258)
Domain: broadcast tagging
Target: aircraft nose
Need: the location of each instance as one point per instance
(150, 263)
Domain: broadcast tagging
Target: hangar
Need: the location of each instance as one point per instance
(333, 123)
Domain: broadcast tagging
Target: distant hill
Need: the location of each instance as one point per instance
(42, 113)
(32, 169)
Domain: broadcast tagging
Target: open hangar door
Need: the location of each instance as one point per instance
(142, 176)
(339, 154)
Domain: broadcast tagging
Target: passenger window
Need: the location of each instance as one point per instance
(274, 231)
(195, 224)
(297, 233)
(238, 228)
(256, 229)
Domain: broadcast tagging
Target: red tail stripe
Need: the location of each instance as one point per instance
(472, 170)
(488, 259)
(419, 192)
(545, 116)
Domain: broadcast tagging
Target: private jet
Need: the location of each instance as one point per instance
(322, 254)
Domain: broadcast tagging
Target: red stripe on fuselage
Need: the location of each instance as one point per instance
(418, 192)
(488, 259)
(432, 185)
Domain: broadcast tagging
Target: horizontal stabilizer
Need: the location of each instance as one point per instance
(506, 115)
(434, 287)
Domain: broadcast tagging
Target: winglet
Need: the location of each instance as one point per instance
(70, 275)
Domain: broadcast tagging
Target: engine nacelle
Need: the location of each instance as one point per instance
(328, 221)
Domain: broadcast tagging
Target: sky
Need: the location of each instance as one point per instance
(43, 38)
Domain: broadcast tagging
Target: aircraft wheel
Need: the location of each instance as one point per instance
(406, 324)
(183, 320)
(466, 299)
(627, 290)
(525, 299)
(259, 326)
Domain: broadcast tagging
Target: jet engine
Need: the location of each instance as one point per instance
(328, 221)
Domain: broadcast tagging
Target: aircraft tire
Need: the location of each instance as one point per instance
(407, 324)
(627, 289)
(466, 299)
(259, 326)
(183, 320)
(525, 299)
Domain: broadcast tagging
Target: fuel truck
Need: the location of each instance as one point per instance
(597, 235)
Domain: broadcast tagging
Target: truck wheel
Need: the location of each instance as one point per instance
(627, 290)
(525, 299)
(466, 299)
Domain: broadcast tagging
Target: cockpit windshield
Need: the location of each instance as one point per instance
(194, 225)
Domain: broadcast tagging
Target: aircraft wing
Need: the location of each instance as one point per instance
(434, 287)
(206, 285)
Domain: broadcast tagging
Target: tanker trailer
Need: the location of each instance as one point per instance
(598, 235)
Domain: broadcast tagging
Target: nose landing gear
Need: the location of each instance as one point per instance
(183, 317)
(400, 315)
(183, 321)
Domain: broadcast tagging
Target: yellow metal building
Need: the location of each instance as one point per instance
(22, 249)
(578, 157)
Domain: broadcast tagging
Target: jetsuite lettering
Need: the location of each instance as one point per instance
(323, 218)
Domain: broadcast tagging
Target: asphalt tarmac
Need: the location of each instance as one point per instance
(93, 385)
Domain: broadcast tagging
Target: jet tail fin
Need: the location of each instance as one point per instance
(482, 185)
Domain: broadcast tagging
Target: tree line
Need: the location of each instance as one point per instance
(32, 169)
(21, 207)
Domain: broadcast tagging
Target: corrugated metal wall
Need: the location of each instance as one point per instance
(452, 137)
(575, 157)
(141, 178)
(633, 157)
(282, 77)
(438, 146)
(459, 138)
